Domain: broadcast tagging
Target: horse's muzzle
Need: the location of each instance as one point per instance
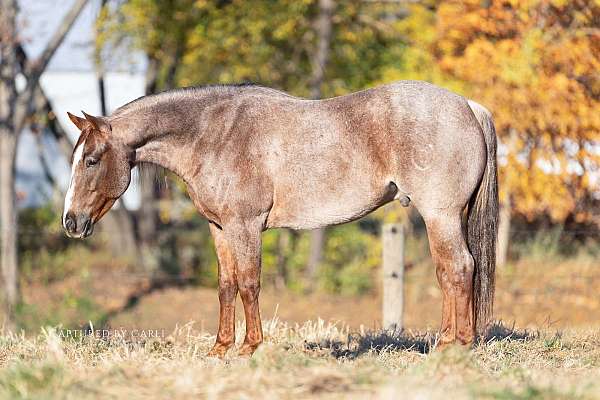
(80, 226)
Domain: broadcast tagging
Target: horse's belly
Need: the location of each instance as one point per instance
(320, 207)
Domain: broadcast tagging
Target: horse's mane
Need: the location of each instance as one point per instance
(158, 174)
(151, 100)
(187, 92)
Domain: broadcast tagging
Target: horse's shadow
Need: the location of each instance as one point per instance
(392, 341)
(498, 331)
(375, 342)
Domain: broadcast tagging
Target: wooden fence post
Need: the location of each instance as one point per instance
(393, 276)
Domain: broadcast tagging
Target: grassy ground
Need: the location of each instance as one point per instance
(554, 353)
(313, 360)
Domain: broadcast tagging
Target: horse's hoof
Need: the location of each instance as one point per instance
(218, 351)
(247, 350)
(441, 346)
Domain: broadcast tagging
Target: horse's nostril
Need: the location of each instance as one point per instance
(70, 224)
(86, 226)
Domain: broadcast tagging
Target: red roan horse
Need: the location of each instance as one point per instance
(254, 158)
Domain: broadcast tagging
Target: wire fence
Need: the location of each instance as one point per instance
(170, 229)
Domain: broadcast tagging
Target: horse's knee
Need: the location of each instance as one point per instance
(249, 290)
(227, 291)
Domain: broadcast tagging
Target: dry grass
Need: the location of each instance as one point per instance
(313, 360)
(558, 358)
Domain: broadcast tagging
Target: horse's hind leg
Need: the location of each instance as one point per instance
(454, 268)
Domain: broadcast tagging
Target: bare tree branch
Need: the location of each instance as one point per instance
(45, 166)
(42, 105)
(35, 69)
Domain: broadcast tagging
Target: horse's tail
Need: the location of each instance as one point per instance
(482, 224)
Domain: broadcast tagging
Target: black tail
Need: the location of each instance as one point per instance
(482, 225)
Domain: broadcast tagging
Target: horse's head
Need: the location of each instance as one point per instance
(100, 174)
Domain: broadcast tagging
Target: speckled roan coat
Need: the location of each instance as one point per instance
(255, 158)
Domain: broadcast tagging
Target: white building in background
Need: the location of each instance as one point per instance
(71, 85)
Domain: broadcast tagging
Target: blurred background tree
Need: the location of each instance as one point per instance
(541, 81)
(16, 107)
(307, 48)
(533, 64)
(540, 77)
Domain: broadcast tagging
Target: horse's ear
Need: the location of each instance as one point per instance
(99, 123)
(80, 123)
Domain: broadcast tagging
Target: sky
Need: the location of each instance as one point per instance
(38, 20)
(71, 85)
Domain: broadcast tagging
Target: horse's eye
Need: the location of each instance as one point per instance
(90, 162)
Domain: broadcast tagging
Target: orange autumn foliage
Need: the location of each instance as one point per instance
(535, 64)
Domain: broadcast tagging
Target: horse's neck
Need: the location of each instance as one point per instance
(158, 135)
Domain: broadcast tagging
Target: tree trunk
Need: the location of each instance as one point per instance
(315, 256)
(147, 214)
(503, 234)
(151, 76)
(120, 233)
(147, 220)
(283, 244)
(8, 148)
(119, 221)
(8, 224)
(323, 29)
(14, 109)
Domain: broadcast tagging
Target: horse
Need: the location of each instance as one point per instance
(255, 158)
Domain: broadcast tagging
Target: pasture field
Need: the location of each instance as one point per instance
(312, 360)
(533, 293)
(547, 348)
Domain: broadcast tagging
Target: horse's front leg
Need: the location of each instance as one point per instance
(228, 289)
(239, 251)
(248, 280)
